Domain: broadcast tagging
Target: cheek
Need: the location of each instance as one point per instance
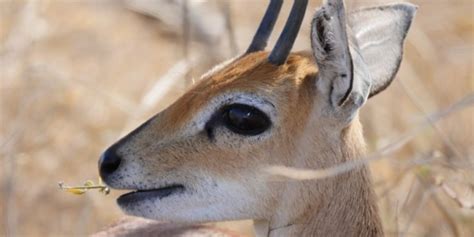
(243, 163)
(224, 139)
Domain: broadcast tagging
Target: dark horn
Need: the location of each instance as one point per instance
(287, 38)
(260, 39)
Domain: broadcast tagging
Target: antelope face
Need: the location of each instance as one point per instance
(206, 152)
(202, 159)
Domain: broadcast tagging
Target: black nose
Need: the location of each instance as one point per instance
(109, 163)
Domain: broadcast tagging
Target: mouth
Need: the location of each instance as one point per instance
(142, 195)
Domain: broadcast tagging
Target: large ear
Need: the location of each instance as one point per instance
(360, 61)
(379, 34)
(331, 50)
(343, 83)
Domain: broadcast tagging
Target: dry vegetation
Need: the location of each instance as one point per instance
(75, 75)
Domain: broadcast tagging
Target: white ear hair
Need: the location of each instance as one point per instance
(331, 51)
(361, 60)
(379, 33)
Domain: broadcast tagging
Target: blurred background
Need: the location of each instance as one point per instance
(76, 75)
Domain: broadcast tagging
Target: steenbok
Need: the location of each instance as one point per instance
(206, 157)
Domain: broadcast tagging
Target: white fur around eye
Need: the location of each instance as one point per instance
(204, 115)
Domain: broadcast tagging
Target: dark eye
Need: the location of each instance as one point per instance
(245, 120)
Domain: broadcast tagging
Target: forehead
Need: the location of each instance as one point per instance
(254, 71)
(251, 73)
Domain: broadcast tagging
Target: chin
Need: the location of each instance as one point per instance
(178, 204)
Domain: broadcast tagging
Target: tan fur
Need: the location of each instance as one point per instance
(303, 136)
(131, 227)
(191, 164)
(251, 73)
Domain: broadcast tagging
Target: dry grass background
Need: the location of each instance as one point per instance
(75, 75)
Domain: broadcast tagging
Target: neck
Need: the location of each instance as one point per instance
(343, 205)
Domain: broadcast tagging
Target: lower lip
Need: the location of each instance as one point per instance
(143, 195)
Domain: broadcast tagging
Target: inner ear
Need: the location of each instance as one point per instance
(331, 49)
(379, 33)
(351, 71)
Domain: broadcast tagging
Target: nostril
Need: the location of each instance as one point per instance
(109, 163)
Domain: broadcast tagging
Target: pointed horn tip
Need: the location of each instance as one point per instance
(265, 28)
(288, 36)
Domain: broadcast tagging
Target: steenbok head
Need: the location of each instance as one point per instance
(204, 157)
